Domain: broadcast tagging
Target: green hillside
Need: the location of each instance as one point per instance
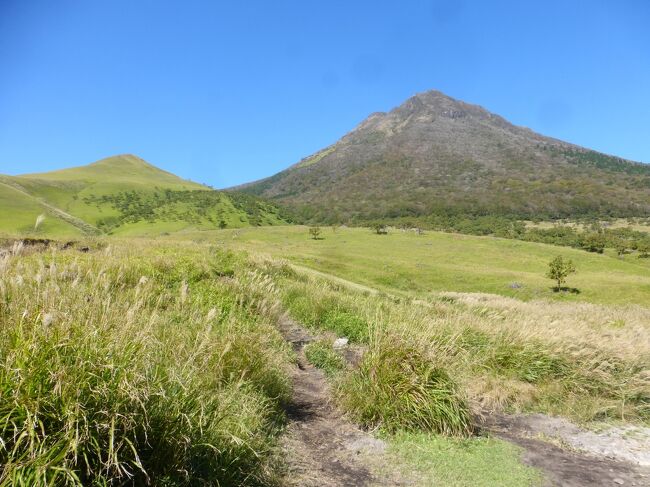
(20, 211)
(122, 195)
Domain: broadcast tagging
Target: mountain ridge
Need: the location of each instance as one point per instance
(435, 154)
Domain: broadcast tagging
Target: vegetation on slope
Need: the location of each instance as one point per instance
(436, 156)
(137, 364)
(20, 212)
(500, 354)
(202, 209)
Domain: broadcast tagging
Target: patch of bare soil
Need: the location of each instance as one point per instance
(321, 447)
(569, 456)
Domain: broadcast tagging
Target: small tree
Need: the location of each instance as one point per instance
(223, 224)
(380, 228)
(559, 269)
(314, 232)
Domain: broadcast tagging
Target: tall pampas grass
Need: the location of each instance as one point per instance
(111, 375)
(39, 220)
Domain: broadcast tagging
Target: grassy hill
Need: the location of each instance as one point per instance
(122, 195)
(434, 155)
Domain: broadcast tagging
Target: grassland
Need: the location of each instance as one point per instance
(133, 363)
(413, 265)
(515, 348)
(143, 361)
(160, 361)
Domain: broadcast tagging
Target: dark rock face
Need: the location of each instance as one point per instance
(434, 153)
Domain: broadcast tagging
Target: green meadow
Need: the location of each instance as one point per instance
(417, 265)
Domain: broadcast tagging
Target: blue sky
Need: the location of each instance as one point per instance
(228, 92)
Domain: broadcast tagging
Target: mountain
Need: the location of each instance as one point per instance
(437, 155)
(121, 195)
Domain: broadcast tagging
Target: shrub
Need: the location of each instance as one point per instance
(379, 228)
(529, 362)
(398, 388)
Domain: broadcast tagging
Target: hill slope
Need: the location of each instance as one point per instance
(434, 154)
(121, 195)
(20, 211)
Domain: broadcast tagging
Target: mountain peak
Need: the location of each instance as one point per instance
(121, 167)
(434, 154)
(122, 159)
(436, 103)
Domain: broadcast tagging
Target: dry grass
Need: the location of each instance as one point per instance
(623, 331)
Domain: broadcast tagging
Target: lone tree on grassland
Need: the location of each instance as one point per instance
(379, 228)
(314, 232)
(559, 269)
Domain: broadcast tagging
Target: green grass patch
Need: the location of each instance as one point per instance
(479, 462)
(324, 311)
(322, 355)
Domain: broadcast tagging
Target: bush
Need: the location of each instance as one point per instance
(530, 362)
(398, 388)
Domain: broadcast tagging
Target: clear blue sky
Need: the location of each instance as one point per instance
(227, 92)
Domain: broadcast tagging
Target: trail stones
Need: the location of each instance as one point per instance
(340, 343)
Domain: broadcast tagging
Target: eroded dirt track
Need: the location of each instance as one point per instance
(321, 447)
(563, 467)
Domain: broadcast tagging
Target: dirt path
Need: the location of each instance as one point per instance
(321, 448)
(561, 464)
